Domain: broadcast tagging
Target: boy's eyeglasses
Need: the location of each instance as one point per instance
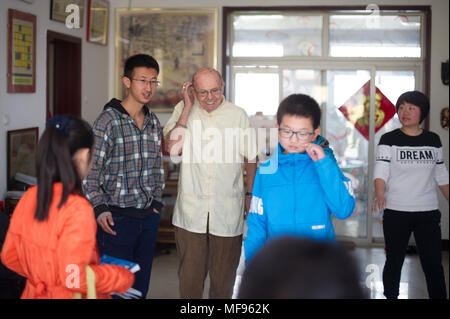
(145, 82)
(301, 135)
(205, 93)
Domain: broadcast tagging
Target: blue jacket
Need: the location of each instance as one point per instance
(297, 197)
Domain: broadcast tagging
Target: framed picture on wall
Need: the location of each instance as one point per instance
(21, 152)
(58, 10)
(97, 21)
(21, 74)
(181, 40)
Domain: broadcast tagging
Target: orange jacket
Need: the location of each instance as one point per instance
(52, 254)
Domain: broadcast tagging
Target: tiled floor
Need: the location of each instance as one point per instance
(164, 279)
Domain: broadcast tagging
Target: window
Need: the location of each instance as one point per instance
(332, 54)
(250, 83)
(276, 35)
(380, 36)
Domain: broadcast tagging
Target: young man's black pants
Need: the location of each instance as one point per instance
(397, 227)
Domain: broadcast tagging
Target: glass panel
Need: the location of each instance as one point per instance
(305, 82)
(375, 36)
(392, 84)
(276, 35)
(350, 147)
(257, 92)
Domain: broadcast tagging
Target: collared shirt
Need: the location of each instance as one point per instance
(211, 173)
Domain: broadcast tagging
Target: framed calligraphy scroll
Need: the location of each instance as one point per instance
(181, 40)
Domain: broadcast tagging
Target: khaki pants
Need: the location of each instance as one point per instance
(200, 253)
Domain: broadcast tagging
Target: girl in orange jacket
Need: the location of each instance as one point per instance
(52, 234)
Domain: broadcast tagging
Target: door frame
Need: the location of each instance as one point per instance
(51, 37)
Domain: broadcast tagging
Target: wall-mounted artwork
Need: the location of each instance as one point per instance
(22, 148)
(58, 10)
(181, 40)
(21, 76)
(97, 21)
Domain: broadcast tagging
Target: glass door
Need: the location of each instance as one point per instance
(354, 64)
(344, 96)
(392, 83)
(345, 113)
(345, 100)
(338, 92)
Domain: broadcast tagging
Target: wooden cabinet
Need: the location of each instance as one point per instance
(11, 200)
(10, 204)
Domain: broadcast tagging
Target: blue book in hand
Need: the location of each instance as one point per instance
(110, 260)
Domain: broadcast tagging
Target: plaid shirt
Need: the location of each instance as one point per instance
(127, 169)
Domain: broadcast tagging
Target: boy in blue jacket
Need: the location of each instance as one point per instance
(307, 186)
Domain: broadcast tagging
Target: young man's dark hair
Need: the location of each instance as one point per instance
(300, 105)
(139, 60)
(416, 98)
(290, 267)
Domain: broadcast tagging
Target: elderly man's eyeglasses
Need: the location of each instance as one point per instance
(301, 135)
(145, 82)
(205, 93)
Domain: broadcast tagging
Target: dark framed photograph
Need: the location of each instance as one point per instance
(21, 74)
(58, 10)
(97, 21)
(21, 152)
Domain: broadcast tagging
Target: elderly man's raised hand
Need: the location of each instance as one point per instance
(186, 93)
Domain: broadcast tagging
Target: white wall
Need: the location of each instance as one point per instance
(23, 110)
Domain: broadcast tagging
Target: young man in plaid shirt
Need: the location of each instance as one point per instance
(126, 181)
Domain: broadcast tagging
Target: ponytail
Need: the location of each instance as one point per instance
(63, 136)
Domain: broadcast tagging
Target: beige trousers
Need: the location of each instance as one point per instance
(203, 253)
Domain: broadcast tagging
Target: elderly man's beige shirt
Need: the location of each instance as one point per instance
(211, 172)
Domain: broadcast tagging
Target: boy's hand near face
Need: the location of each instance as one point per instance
(314, 151)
